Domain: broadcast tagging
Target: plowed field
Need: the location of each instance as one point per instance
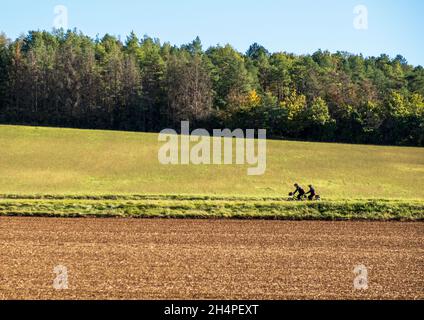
(212, 259)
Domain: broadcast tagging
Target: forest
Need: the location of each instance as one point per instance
(68, 79)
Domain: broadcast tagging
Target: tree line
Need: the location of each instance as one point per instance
(69, 79)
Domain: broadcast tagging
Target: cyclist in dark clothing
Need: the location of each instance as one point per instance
(299, 191)
(311, 193)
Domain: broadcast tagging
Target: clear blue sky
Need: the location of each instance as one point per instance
(299, 26)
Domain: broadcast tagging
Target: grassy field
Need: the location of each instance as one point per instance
(63, 161)
(46, 171)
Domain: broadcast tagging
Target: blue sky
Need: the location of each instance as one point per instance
(299, 26)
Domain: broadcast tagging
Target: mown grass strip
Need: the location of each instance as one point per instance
(217, 209)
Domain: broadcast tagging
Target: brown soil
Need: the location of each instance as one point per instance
(214, 259)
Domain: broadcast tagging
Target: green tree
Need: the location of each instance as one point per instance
(153, 69)
(317, 113)
(230, 76)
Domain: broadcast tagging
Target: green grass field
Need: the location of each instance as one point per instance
(59, 168)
